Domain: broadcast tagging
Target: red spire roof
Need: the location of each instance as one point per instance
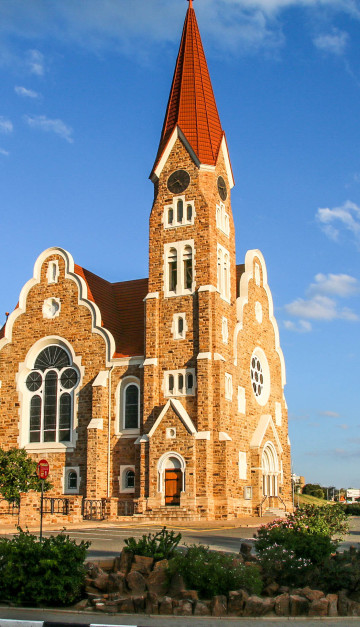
(192, 104)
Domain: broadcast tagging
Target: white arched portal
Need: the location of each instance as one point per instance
(171, 462)
(270, 470)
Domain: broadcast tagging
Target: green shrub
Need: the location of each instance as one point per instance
(212, 573)
(47, 573)
(308, 532)
(351, 509)
(285, 567)
(340, 571)
(160, 545)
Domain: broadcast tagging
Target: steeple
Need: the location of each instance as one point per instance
(191, 106)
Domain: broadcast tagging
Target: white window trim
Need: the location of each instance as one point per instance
(228, 387)
(162, 466)
(66, 472)
(222, 219)
(225, 330)
(223, 273)
(181, 290)
(53, 272)
(173, 206)
(176, 392)
(175, 326)
(25, 395)
(242, 466)
(122, 479)
(263, 398)
(120, 429)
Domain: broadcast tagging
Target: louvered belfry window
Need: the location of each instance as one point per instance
(51, 386)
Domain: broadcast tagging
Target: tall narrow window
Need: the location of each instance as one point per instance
(172, 270)
(189, 211)
(180, 210)
(180, 325)
(171, 383)
(72, 480)
(189, 381)
(171, 216)
(181, 383)
(188, 267)
(51, 386)
(131, 407)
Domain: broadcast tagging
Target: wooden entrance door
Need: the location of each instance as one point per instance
(173, 481)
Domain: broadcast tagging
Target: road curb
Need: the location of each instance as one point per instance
(7, 622)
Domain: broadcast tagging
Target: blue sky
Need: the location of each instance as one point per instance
(83, 92)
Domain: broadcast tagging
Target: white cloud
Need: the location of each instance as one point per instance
(4, 152)
(6, 126)
(342, 285)
(26, 93)
(343, 426)
(50, 126)
(347, 217)
(301, 326)
(334, 43)
(241, 24)
(321, 303)
(329, 414)
(35, 62)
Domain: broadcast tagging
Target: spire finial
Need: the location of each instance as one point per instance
(190, 4)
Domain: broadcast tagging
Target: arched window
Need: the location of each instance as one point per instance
(129, 479)
(171, 216)
(180, 211)
(51, 386)
(270, 470)
(172, 261)
(188, 267)
(72, 480)
(131, 407)
(189, 212)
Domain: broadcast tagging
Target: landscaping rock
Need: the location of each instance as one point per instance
(189, 595)
(298, 605)
(126, 606)
(102, 581)
(342, 603)
(258, 606)
(162, 564)
(333, 601)
(142, 564)
(82, 605)
(152, 603)
(139, 603)
(158, 582)
(353, 608)
(177, 585)
(124, 561)
(100, 606)
(272, 589)
(219, 605)
(245, 549)
(94, 598)
(312, 595)
(282, 604)
(165, 606)
(117, 582)
(319, 607)
(92, 570)
(202, 608)
(236, 603)
(182, 608)
(136, 582)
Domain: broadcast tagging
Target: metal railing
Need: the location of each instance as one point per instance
(282, 501)
(54, 505)
(125, 508)
(261, 505)
(9, 508)
(93, 509)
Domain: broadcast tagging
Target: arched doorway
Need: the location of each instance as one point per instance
(270, 470)
(171, 469)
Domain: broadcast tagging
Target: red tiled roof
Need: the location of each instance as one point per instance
(122, 310)
(192, 104)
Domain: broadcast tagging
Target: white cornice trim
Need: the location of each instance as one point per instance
(96, 423)
(204, 356)
(128, 361)
(180, 411)
(243, 299)
(177, 133)
(82, 299)
(224, 437)
(218, 357)
(142, 439)
(101, 379)
(226, 155)
(207, 288)
(259, 433)
(207, 168)
(151, 295)
(202, 435)
(151, 361)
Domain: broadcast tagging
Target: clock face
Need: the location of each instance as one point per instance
(178, 181)
(222, 188)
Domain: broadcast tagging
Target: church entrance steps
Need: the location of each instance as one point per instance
(168, 514)
(275, 511)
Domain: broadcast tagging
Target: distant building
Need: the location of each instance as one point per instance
(166, 392)
(352, 494)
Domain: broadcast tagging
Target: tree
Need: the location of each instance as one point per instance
(18, 474)
(314, 489)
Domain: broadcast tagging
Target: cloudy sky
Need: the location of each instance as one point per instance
(83, 91)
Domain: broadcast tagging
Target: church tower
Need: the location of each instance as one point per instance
(188, 454)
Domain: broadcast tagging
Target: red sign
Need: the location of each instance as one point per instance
(42, 469)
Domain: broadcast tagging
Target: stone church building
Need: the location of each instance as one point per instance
(163, 394)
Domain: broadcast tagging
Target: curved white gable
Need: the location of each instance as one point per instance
(82, 299)
(242, 300)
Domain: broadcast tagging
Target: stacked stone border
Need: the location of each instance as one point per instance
(137, 584)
